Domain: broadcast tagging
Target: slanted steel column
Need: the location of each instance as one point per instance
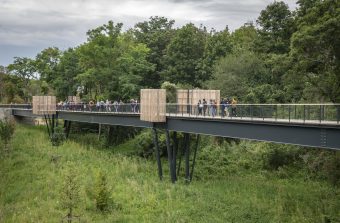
(181, 154)
(187, 154)
(158, 158)
(169, 149)
(47, 125)
(67, 127)
(53, 124)
(174, 152)
(195, 153)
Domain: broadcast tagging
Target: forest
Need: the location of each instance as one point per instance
(285, 56)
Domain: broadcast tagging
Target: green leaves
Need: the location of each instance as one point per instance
(7, 128)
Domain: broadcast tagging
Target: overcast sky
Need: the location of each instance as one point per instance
(28, 26)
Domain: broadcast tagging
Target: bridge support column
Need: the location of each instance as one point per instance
(174, 153)
(170, 157)
(187, 155)
(67, 127)
(158, 157)
(194, 159)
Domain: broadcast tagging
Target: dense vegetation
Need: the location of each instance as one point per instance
(287, 56)
(233, 183)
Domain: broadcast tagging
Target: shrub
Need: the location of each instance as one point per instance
(102, 194)
(332, 169)
(7, 128)
(58, 137)
(279, 156)
(70, 193)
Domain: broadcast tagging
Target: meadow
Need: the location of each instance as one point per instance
(31, 179)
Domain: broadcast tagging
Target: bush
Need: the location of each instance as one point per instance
(102, 194)
(7, 128)
(280, 155)
(332, 169)
(70, 193)
(58, 137)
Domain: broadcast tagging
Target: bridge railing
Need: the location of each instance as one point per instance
(295, 113)
(133, 108)
(21, 106)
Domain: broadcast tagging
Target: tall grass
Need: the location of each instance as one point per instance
(31, 181)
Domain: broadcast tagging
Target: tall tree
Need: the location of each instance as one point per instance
(316, 48)
(25, 69)
(218, 45)
(156, 34)
(46, 63)
(244, 37)
(184, 56)
(276, 27)
(113, 64)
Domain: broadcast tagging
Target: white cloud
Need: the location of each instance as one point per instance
(64, 22)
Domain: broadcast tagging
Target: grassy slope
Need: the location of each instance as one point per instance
(30, 190)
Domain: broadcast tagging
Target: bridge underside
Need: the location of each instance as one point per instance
(320, 136)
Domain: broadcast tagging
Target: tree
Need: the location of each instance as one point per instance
(70, 194)
(102, 194)
(7, 128)
(156, 34)
(65, 73)
(277, 26)
(236, 74)
(218, 45)
(184, 56)
(316, 49)
(244, 37)
(46, 63)
(25, 69)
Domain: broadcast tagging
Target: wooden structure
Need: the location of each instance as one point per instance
(186, 99)
(74, 99)
(44, 105)
(153, 105)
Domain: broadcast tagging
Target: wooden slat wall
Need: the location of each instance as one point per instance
(191, 97)
(44, 105)
(153, 105)
(75, 99)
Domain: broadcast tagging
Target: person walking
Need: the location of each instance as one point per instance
(233, 107)
(204, 106)
(115, 105)
(222, 106)
(199, 107)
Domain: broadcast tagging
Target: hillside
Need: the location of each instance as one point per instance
(32, 175)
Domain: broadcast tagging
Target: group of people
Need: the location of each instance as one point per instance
(101, 106)
(210, 107)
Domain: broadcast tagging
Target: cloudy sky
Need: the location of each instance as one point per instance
(28, 26)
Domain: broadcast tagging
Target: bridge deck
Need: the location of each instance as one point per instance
(312, 133)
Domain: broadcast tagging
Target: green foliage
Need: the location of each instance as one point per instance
(315, 48)
(70, 192)
(102, 193)
(245, 194)
(277, 26)
(58, 137)
(184, 56)
(171, 91)
(24, 68)
(156, 34)
(236, 74)
(279, 156)
(7, 128)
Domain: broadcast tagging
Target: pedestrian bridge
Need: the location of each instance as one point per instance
(311, 125)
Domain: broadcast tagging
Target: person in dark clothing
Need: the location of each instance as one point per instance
(222, 106)
(205, 106)
(199, 107)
